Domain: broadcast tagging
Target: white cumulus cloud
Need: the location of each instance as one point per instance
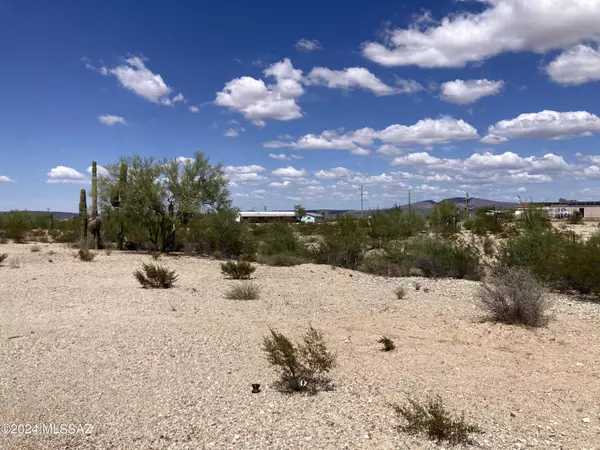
(64, 174)
(464, 92)
(194, 109)
(502, 26)
(308, 45)
(5, 179)
(549, 125)
(358, 77)
(578, 65)
(258, 101)
(135, 76)
(289, 172)
(109, 119)
(425, 132)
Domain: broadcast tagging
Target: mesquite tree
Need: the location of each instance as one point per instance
(158, 197)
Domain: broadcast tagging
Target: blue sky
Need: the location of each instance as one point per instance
(304, 104)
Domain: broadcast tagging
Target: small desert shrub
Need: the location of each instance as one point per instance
(435, 421)
(489, 246)
(156, 255)
(400, 292)
(108, 251)
(343, 244)
(155, 276)
(3, 256)
(303, 366)
(514, 296)
(377, 264)
(15, 263)
(394, 224)
(35, 248)
(388, 344)
(51, 252)
(417, 286)
(238, 270)
(85, 255)
(281, 260)
(440, 258)
(243, 291)
(67, 237)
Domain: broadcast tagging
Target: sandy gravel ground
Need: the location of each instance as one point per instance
(82, 343)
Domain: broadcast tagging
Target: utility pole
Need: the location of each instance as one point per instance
(362, 194)
(409, 200)
(265, 207)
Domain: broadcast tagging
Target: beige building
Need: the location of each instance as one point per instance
(557, 210)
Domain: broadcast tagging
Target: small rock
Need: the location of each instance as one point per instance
(586, 420)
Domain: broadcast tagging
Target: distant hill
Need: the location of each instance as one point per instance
(58, 215)
(425, 206)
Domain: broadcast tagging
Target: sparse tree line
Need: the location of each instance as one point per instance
(184, 205)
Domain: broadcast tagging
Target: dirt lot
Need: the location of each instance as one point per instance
(82, 343)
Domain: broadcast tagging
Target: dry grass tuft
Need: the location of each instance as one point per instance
(243, 291)
(303, 366)
(155, 276)
(435, 421)
(35, 248)
(238, 270)
(400, 292)
(85, 255)
(514, 296)
(388, 344)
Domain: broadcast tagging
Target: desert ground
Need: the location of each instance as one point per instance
(83, 343)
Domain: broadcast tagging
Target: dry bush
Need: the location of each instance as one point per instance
(303, 366)
(417, 286)
(281, 260)
(155, 276)
(35, 248)
(238, 270)
(514, 296)
(435, 421)
(85, 255)
(3, 256)
(400, 292)
(489, 246)
(388, 344)
(15, 263)
(377, 264)
(243, 291)
(156, 255)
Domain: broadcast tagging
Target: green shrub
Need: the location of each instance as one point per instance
(243, 291)
(15, 224)
(560, 259)
(381, 265)
(394, 224)
(279, 238)
(514, 297)
(444, 217)
(302, 367)
(155, 276)
(238, 270)
(218, 232)
(343, 244)
(534, 217)
(281, 260)
(435, 421)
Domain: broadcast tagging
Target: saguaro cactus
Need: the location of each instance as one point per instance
(121, 200)
(83, 216)
(94, 190)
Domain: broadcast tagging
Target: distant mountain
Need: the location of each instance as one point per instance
(424, 206)
(58, 215)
